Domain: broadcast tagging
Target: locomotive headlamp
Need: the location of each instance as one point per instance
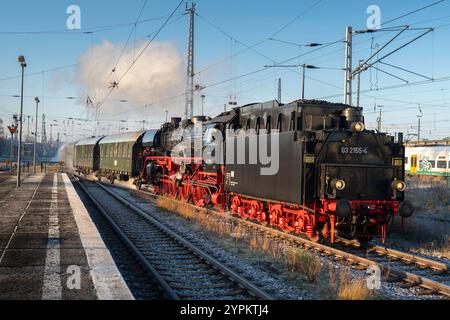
(338, 184)
(399, 186)
(358, 127)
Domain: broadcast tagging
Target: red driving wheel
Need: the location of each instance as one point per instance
(185, 193)
(199, 196)
(173, 191)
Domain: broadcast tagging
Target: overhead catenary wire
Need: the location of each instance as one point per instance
(399, 17)
(85, 30)
(249, 47)
(74, 65)
(129, 37)
(414, 11)
(138, 57)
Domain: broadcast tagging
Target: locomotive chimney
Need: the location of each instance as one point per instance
(353, 115)
(176, 121)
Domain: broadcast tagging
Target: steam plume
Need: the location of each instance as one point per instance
(157, 76)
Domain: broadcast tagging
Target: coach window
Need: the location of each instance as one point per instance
(442, 164)
(432, 163)
(248, 125)
(258, 125)
(406, 160)
(280, 122)
(269, 125)
(128, 151)
(292, 122)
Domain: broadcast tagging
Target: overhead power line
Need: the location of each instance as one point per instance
(78, 64)
(84, 31)
(129, 36)
(414, 11)
(116, 84)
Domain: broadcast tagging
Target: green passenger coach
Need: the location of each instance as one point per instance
(120, 156)
(87, 155)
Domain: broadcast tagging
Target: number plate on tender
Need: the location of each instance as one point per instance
(355, 150)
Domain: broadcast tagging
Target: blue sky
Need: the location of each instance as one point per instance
(248, 22)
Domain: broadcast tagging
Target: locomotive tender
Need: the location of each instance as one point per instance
(327, 174)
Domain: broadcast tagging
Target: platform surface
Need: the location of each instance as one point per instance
(49, 247)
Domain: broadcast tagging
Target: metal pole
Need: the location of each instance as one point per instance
(379, 120)
(28, 129)
(203, 105)
(190, 66)
(167, 116)
(418, 135)
(348, 65)
(19, 158)
(35, 135)
(51, 137)
(358, 97)
(12, 147)
(279, 90)
(303, 81)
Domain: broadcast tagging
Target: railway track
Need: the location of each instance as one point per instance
(182, 270)
(431, 277)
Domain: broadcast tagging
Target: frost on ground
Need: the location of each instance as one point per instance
(428, 231)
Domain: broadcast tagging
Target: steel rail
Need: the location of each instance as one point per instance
(387, 270)
(133, 249)
(403, 256)
(414, 279)
(242, 282)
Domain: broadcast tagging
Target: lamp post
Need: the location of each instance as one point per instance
(304, 67)
(23, 65)
(35, 135)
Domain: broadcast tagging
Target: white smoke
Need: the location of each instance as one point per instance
(155, 78)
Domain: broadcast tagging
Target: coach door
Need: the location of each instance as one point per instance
(414, 164)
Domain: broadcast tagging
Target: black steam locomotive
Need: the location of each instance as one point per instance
(308, 167)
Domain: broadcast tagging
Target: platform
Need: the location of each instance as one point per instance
(49, 247)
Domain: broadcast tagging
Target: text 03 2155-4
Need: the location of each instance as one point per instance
(355, 150)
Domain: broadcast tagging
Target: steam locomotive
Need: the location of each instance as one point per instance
(307, 167)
